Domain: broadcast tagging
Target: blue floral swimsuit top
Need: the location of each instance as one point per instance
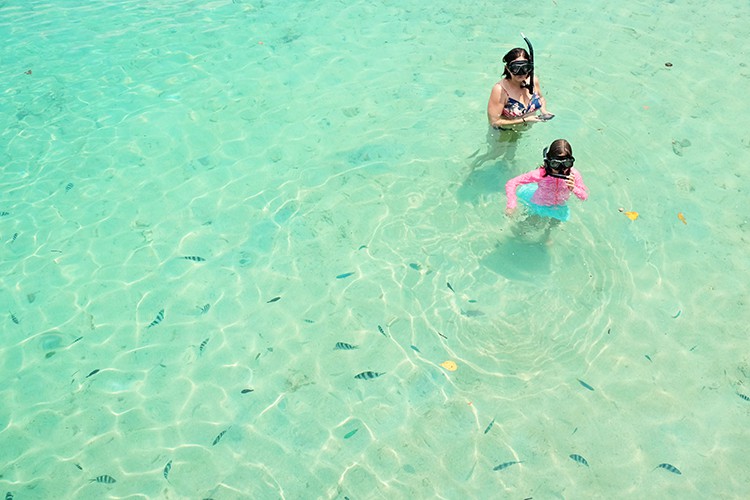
(515, 109)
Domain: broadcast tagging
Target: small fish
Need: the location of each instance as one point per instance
(68, 186)
(415, 266)
(351, 433)
(579, 459)
(632, 215)
(382, 332)
(245, 391)
(343, 346)
(49, 354)
(505, 465)
(415, 349)
(218, 438)
(275, 299)
(15, 235)
(587, 386)
(93, 373)
(194, 258)
(368, 375)
(202, 347)
(678, 314)
(157, 320)
(648, 357)
(746, 398)
(450, 288)
(681, 216)
(14, 319)
(492, 422)
(76, 340)
(27, 72)
(78, 466)
(204, 309)
(446, 338)
(9, 495)
(3, 214)
(103, 479)
(167, 468)
(671, 468)
(361, 247)
(342, 276)
(309, 321)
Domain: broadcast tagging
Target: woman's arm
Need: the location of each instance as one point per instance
(495, 106)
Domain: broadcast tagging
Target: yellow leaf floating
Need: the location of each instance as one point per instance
(681, 216)
(451, 366)
(632, 215)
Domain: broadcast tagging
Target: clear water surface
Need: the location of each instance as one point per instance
(319, 163)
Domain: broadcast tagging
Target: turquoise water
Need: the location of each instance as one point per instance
(292, 143)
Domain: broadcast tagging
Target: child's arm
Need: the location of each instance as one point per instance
(579, 188)
(512, 185)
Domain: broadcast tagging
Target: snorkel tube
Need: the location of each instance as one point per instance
(530, 85)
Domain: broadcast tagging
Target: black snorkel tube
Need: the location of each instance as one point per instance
(530, 85)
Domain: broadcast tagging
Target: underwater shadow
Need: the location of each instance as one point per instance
(519, 260)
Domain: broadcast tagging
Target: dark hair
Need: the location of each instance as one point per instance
(560, 148)
(511, 56)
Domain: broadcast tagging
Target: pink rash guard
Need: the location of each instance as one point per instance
(551, 190)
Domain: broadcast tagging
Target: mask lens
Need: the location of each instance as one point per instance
(520, 67)
(566, 163)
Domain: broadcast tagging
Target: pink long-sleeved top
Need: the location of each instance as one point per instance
(551, 190)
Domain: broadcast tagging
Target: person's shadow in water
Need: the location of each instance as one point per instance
(519, 259)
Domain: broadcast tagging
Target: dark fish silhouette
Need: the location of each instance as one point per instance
(3, 214)
(671, 468)
(746, 398)
(343, 346)
(415, 266)
(157, 319)
(194, 258)
(245, 391)
(415, 348)
(587, 386)
(204, 309)
(14, 319)
(218, 438)
(382, 332)
(350, 433)
(488, 430)
(579, 459)
(202, 347)
(342, 276)
(68, 186)
(93, 373)
(9, 496)
(103, 479)
(368, 375)
(167, 468)
(78, 466)
(450, 288)
(505, 465)
(275, 299)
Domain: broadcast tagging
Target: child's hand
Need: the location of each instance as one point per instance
(509, 211)
(571, 182)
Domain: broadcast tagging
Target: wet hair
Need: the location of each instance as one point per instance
(560, 148)
(511, 56)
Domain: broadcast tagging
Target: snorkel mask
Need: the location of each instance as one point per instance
(557, 167)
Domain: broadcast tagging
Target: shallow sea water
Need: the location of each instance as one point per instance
(318, 156)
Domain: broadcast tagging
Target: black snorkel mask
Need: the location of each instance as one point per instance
(557, 167)
(530, 85)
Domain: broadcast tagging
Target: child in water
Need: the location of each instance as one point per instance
(546, 189)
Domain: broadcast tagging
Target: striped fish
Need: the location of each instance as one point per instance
(579, 459)
(368, 375)
(505, 465)
(194, 258)
(9, 495)
(103, 479)
(157, 319)
(167, 468)
(218, 438)
(14, 319)
(490, 427)
(746, 398)
(382, 332)
(68, 186)
(204, 309)
(671, 468)
(343, 346)
(202, 347)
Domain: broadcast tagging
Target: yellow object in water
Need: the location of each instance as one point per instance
(681, 216)
(451, 366)
(632, 215)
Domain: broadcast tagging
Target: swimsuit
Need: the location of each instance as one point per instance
(516, 109)
(547, 195)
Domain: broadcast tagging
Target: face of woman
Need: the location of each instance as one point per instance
(519, 69)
